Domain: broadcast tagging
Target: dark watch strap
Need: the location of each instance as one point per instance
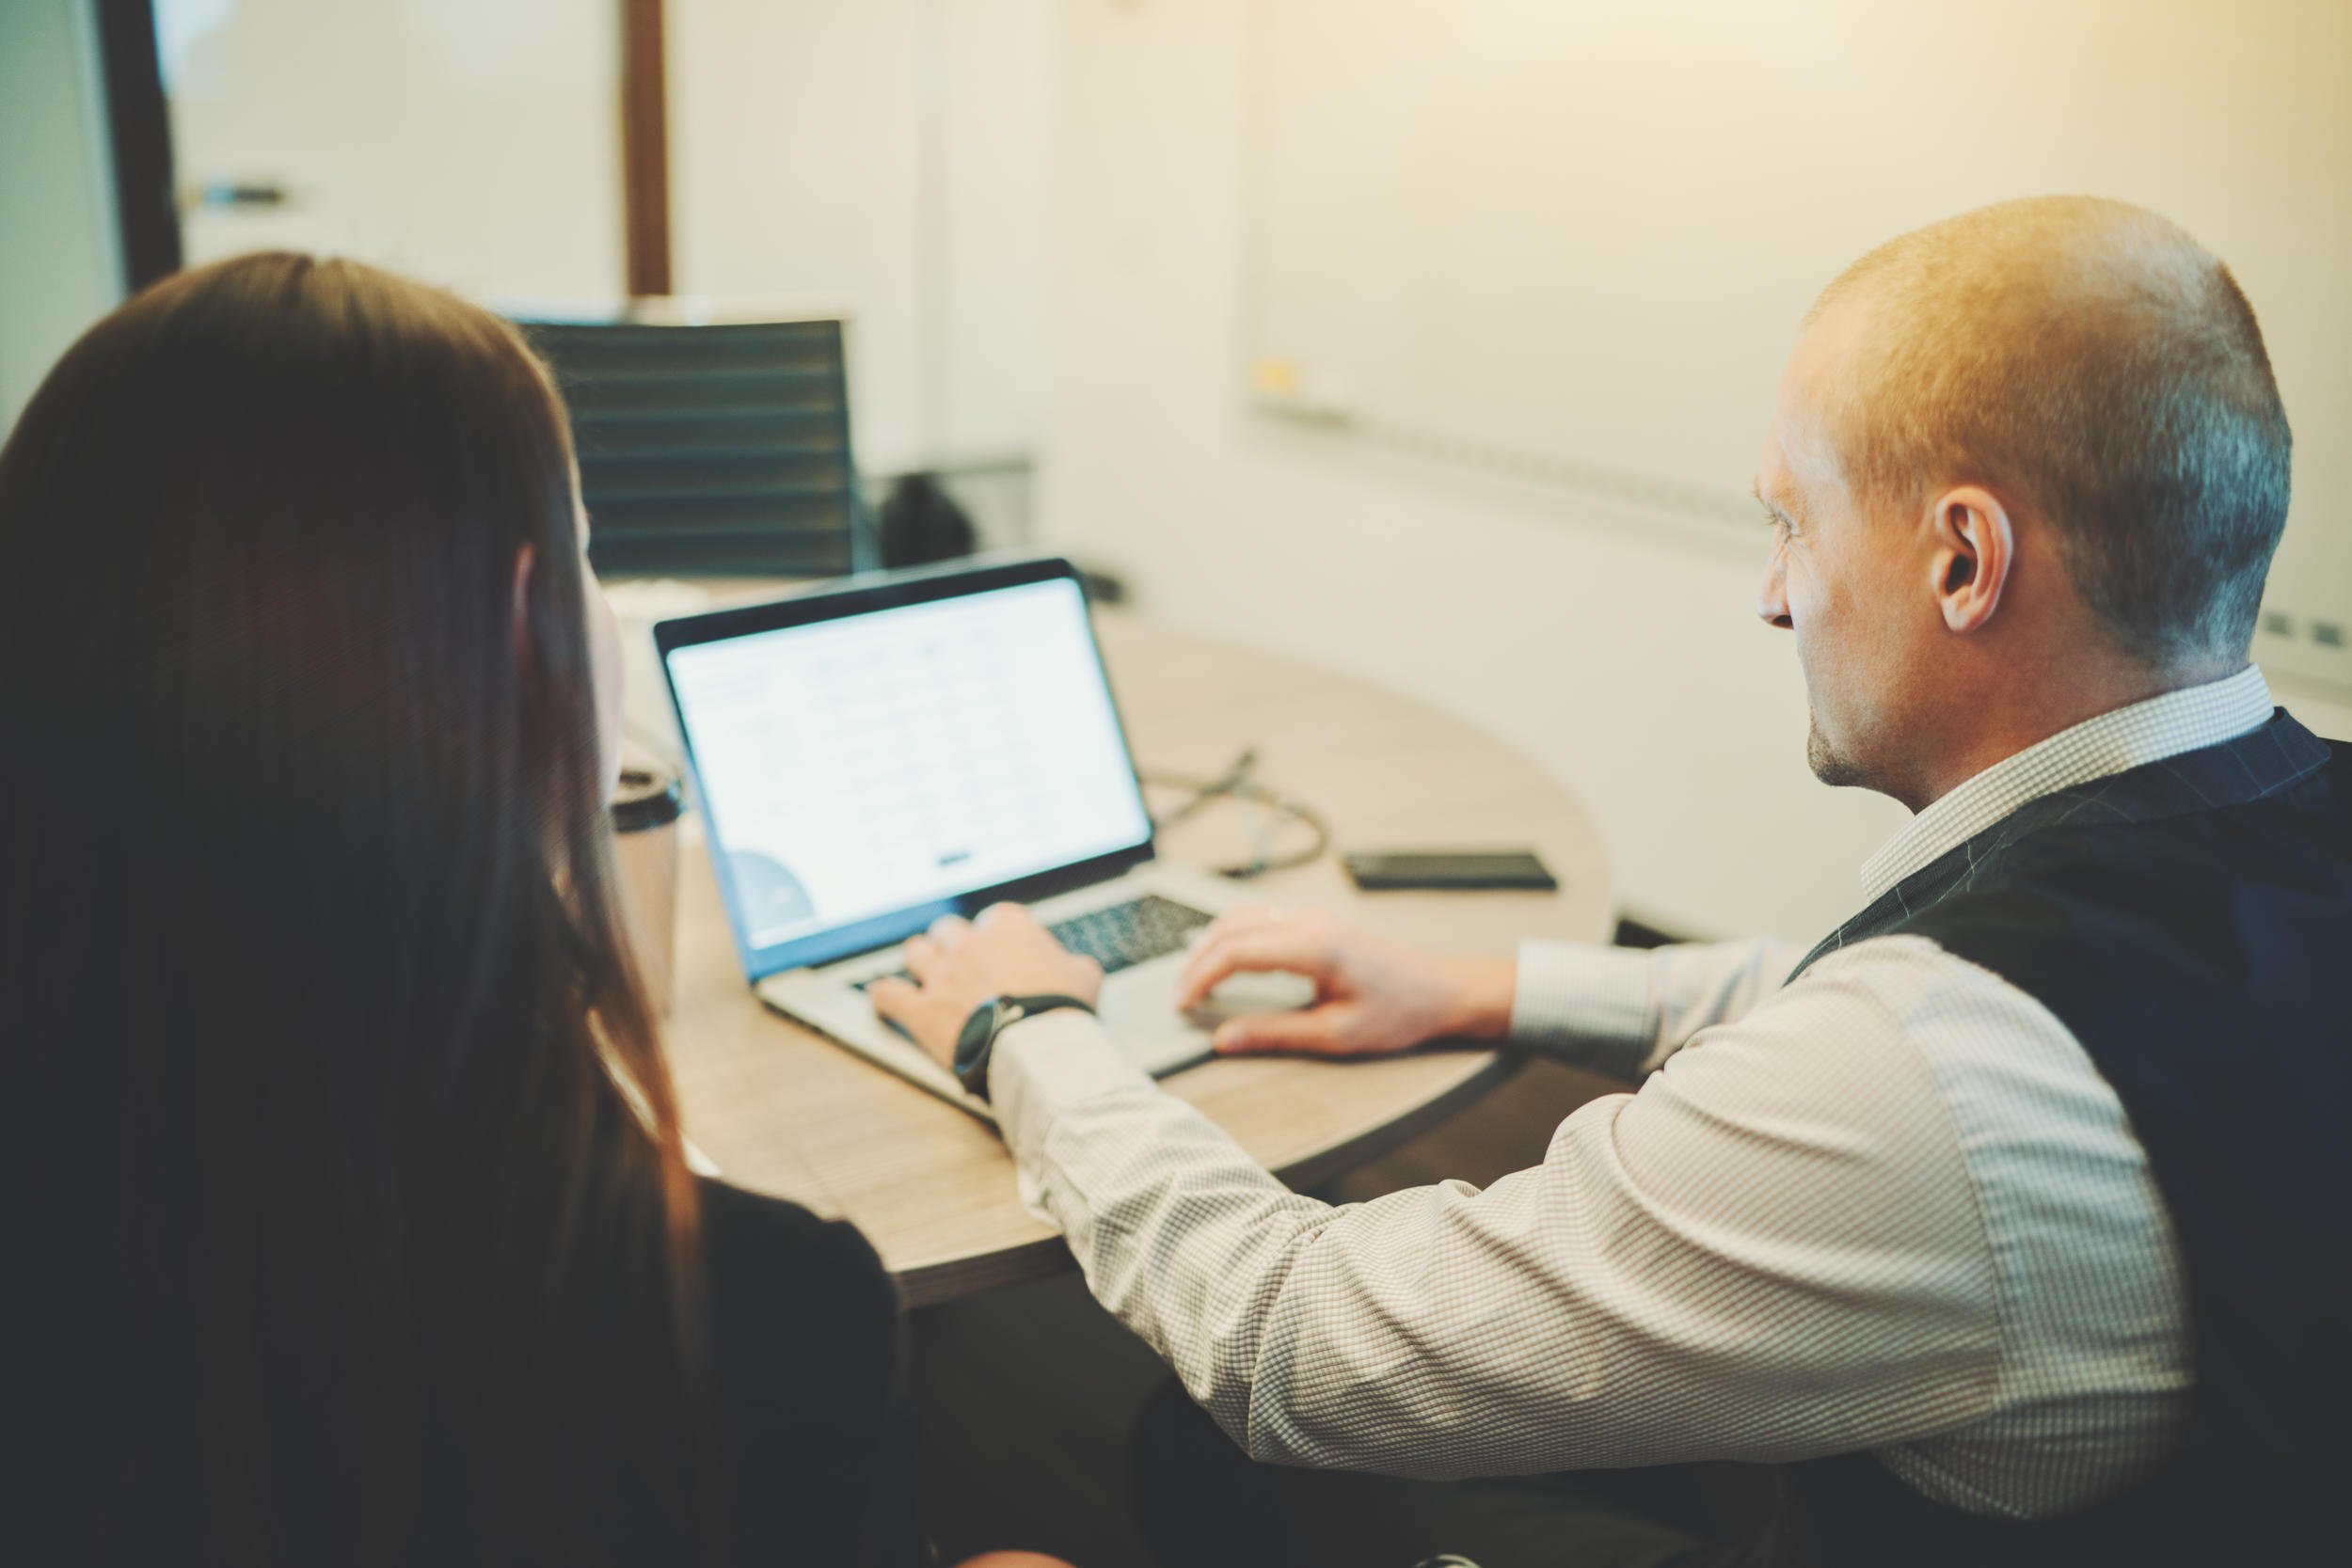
(977, 1045)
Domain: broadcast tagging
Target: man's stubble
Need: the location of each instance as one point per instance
(1828, 765)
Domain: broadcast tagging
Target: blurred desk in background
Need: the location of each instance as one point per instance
(782, 1111)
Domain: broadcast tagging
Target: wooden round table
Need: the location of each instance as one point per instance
(782, 1111)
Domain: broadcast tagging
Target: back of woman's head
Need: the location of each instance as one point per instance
(306, 877)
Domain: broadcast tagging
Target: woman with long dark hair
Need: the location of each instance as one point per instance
(312, 896)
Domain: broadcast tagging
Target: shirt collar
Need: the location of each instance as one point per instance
(2185, 721)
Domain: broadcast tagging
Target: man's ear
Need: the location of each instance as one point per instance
(520, 609)
(1975, 549)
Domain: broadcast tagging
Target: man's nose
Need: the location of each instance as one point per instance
(1771, 605)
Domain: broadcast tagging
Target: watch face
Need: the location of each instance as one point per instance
(978, 1030)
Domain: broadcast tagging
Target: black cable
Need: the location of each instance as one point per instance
(1236, 783)
(1204, 792)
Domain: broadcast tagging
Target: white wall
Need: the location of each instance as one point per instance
(889, 158)
(1568, 239)
(60, 263)
(994, 132)
(1627, 662)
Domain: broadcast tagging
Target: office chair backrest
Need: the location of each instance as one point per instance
(711, 449)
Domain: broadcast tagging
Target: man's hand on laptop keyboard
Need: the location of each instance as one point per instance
(962, 963)
(1373, 997)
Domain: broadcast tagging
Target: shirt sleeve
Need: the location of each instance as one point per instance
(1624, 1010)
(1772, 1251)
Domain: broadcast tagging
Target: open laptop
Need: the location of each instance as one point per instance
(873, 755)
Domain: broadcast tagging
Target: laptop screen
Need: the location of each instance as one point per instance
(862, 773)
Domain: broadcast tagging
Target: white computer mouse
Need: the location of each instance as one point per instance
(1273, 990)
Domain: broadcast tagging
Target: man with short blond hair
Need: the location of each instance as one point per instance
(2108, 368)
(2010, 1216)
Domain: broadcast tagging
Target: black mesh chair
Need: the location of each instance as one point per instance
(712, 450)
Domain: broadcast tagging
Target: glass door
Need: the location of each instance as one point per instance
(470, 142)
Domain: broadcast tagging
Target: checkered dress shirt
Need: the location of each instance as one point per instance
(1891, 1206)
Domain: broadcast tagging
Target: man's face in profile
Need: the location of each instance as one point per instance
(1839, 573)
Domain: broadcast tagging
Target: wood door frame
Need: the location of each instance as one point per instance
(645, 146)
(139, 137)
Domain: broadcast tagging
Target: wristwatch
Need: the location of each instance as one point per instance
(978, 1042)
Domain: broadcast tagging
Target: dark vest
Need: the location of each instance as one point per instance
(2190, 922)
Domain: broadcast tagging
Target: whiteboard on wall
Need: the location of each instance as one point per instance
(1566, 242)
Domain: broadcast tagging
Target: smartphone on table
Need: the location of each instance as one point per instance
(1464, 870)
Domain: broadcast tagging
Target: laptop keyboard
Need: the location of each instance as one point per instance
(1119, 937)
(1131, 933)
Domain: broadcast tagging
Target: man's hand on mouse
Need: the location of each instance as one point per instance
(962, 963)
(1373, 997)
